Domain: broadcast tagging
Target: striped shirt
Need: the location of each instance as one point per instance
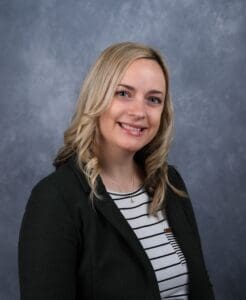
(158, 242)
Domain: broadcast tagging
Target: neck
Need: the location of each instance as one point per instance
(120, 172)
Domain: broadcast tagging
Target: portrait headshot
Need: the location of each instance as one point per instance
(123, 159)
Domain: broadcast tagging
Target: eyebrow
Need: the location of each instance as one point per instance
(131, 88)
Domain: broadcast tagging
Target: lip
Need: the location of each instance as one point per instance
(136, 126)
(132, 129)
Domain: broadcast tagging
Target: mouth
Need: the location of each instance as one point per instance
(132, 129)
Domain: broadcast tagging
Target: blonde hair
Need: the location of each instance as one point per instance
(95, 98)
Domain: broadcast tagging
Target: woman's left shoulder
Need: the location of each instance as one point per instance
(175, 177)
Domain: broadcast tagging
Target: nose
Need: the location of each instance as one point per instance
(137, 108)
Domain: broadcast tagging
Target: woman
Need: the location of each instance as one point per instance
(114, 220)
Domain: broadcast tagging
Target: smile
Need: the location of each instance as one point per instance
(132, 129)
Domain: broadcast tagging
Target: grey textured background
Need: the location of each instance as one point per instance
(46, 48)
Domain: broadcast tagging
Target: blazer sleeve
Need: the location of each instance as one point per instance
(180, 184)
(188, 209)
(47, 250)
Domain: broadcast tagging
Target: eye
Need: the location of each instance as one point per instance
(154, 100)
(122, 93)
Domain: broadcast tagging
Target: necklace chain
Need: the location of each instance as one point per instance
(115, 183)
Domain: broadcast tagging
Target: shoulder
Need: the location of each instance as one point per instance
(183, 202)
(50, 214)
(175, 178)
(177, 181)
(49, 187)
(66, 179)
(59, 191)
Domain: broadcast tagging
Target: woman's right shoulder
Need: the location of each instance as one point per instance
(56, 180)
(54, 210)
(62, 185)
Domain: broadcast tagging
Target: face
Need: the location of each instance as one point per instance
(133, 119)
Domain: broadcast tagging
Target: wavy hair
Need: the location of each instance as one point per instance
(95, 98)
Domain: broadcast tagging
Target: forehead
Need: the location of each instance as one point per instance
(145, 72)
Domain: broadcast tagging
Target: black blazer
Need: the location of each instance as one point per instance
(70, 249)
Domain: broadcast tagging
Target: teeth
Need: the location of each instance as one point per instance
(126, 126)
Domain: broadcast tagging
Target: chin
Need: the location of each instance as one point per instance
(132, 149)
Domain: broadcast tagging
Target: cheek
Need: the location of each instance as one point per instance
(106, 122)
(102, 120)
(156, 124)
(105, 118)
(109, 115)
(156, 120)
(102, 124)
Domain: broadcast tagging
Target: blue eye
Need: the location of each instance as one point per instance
(122, 93)
(155, 100)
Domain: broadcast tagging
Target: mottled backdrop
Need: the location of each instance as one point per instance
(45, 50)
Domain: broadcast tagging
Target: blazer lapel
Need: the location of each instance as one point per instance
(108, 208)
(186, 238)
(176, 215)
(110, 211)
(180, 225)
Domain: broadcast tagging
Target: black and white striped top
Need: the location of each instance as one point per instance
(158, 242)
